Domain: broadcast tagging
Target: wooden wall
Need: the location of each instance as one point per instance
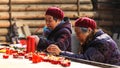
(31, 12)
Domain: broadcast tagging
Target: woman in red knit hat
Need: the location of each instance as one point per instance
(96, 45)
(57, 30)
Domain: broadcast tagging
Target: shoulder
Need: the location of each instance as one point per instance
(104, 42)
(64, 31)
(103, 38)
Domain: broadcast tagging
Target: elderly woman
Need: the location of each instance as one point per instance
(57, 31)
(96, 45)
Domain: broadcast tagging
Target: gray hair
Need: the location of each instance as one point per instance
(83, 29)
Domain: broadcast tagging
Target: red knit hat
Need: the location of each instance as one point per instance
(55, 12)
(85, 22)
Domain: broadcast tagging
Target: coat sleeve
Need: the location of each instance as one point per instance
(43, 43)
(63, 40)
(90, 54)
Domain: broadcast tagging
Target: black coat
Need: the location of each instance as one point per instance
(61, 36)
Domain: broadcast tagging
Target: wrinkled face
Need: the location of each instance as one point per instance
(81, 35)
(50, 22)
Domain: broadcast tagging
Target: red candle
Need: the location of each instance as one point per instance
(30, 44)
(27, 48)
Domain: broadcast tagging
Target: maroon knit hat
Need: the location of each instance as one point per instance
(85, 22)
(55, 12)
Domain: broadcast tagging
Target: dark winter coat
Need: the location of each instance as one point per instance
(101, 49)
(61, 36)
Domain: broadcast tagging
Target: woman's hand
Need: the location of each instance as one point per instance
(54, 49)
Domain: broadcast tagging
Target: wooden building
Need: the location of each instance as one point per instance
(31, 13)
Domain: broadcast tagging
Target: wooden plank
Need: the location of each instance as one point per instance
(105, 1)
(3, 31)
(109, 5)
(4, 1)
(108, 23)
(4, 23)
(28, 15)
(30, 23)
(4, 7)
(3, 38)
(103, 16)
(103, 6)
(32, 30)
(41, 23)
(38, 15)
(26, 30)
(43, 7)
(88, 14)
(65, 7)
(43, 1)
(86, 7)
(4, 15)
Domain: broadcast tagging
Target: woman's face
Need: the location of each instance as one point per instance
(81, 35)
(50, 22)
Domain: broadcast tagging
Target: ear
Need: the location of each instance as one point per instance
(89, 30)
